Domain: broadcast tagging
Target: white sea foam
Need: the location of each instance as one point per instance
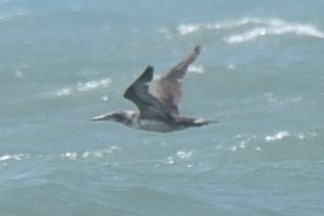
(307, 135)
(253, 28)
(191, 28)
(16, 157)
(258, 148)
(243, 145)
(105, 98)
(199, 69)
(90, 154)
(70, 155)
(278, 136)
(233, 148)
(270, 97)
(5, 157)
(185, 29)
(274, 27)
(244, 141)
(170, 160)
(180, 156)
(184, 155)
(81, 87)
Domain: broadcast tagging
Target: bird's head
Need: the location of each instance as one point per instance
(121, 116)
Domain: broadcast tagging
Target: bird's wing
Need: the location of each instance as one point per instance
(149, 106)
(169, 88)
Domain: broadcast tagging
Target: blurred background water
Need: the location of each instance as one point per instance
(260, 74)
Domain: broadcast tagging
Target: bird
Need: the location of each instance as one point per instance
(157, 112)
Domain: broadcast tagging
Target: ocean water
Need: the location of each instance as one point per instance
(260, 74)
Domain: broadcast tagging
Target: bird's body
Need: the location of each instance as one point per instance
(159, 112)
(154, 125)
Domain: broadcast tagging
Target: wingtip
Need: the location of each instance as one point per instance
(146, 76)
(150, 67)
(148, 73)
(197, 48)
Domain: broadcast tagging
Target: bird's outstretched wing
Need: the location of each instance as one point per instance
(169, 88)
(149, 106)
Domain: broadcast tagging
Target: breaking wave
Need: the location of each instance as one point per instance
(81, 87)
(15, 157)
(90, 154)
(274, 27)
(258, 142)
(199, 69)
(247, 29)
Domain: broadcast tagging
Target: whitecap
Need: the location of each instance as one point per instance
(85, 154)
(191, 28)
(244, 141)
(258, 148)
(278, 136)
(81, 87)
(307, 135)
(243, 145)
(5, 157)
(247, 36)
(233, 148)
(113, 149)
(105, 98)
(270, 97)
(170, 161)
(189, 166)
(70, 155)
(185, 29)
(270, 27)
(16, 157)
(90, 154)
(254, 28)
(92, 85)
(97, 154)
(184, 155)
(199, 69)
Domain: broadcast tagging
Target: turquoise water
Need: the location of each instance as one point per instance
(260, 74)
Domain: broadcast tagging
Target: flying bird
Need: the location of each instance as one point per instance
(158, 112)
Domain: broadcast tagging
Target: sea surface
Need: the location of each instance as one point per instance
(260, 75)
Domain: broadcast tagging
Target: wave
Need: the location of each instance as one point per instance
(81, 87)
(278, 136)
(190, 28)
(199, 69)
(275, 27)
(90, 154)
(248, 29)
(7, 158)
(258, 142)
(180, 156)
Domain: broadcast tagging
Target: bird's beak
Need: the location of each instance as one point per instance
(103, 117)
